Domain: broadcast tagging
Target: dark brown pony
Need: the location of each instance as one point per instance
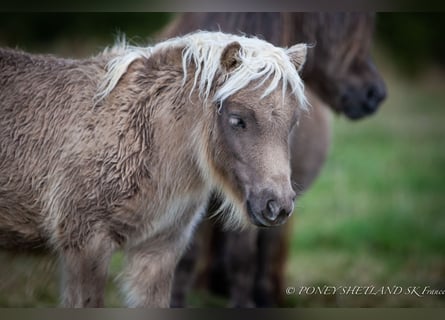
(339, 73)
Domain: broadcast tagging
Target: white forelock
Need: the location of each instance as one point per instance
(260, 60)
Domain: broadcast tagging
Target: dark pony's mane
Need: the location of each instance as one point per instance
(326, 31)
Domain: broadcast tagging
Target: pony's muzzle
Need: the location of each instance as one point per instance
(363, 101)
(266, 209)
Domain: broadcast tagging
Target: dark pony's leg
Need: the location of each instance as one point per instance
(273, 251)
(247, 266)
(218, 277)
(185, 275)
(241, 266)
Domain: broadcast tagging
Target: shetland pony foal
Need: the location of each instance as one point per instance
(122, 150)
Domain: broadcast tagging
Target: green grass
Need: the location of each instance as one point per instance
(376, 215)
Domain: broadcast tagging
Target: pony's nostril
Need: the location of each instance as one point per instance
(273, 210)
(380, 94)
(344, 98)
(374, 96)
(371, 94)
(285, 213)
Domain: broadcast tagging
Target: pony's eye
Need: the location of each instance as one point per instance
(237, 122)
(218, 104)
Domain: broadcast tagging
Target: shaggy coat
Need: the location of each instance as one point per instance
(122, 150)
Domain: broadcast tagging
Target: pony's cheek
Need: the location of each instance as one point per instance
(231, 176)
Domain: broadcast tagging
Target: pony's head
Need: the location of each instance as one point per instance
(255, 95)
(340, 68)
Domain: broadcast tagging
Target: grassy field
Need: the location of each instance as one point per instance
(376, 214)
(374, 217)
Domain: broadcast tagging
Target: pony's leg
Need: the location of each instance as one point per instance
(148, 276)
(273, 251)
(241, 252)
(218, 274)
(84, 272)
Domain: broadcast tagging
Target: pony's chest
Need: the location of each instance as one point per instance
(151, 218)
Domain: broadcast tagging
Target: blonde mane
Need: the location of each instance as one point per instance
(259, 59)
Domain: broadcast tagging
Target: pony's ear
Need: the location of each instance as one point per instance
(230, 58)
(297, 55)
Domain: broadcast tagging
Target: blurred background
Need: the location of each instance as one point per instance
(376, 214)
